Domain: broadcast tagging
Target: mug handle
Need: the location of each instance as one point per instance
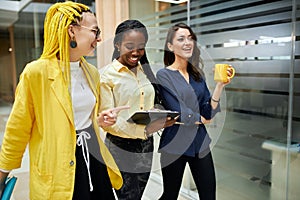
(233, 72)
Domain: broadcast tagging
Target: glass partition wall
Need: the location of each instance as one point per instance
(256, 149)
(255, 139)
(21, 36)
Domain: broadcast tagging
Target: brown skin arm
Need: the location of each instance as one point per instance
(159, 124)
(3, 176)
(109, 117)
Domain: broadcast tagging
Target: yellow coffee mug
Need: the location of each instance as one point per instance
(221, 75)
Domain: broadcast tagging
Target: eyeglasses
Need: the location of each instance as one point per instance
(97, 31)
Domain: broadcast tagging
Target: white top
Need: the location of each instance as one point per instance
(83, 104)
(82, 97)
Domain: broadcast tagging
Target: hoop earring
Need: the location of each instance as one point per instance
(73, 43)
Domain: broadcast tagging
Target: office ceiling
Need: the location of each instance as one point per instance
(9, 10)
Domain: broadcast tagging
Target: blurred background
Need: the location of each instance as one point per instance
(255, 149)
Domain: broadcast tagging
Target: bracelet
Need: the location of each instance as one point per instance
(217, 101)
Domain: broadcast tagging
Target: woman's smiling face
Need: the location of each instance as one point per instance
(86, 34)
(182, 43)
(132, 48)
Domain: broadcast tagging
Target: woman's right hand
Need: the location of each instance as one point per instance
(203, 121)
(109, 117)
(106, 118)
(158, 124)
(3, 176)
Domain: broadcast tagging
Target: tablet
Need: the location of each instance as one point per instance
(145, 117)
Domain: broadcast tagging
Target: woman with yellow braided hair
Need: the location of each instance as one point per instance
(56, 113)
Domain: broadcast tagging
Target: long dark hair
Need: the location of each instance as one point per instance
(124, 27)
(195, 64)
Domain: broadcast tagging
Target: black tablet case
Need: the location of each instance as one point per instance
(145, 117)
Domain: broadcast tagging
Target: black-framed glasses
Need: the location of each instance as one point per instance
(97, 31)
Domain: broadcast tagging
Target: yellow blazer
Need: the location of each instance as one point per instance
(42, 116)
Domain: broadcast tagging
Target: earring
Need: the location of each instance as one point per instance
(73, 43)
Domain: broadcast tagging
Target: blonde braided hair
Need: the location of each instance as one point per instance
(56, 38)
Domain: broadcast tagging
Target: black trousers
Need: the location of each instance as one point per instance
(134, 159)
(202, 170)
(102, 188)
